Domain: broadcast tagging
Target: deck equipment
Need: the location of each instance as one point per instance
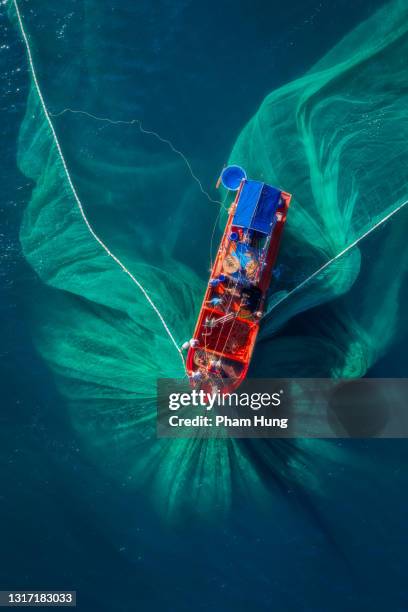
(228, 322)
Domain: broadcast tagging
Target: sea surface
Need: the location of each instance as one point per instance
(89, 500)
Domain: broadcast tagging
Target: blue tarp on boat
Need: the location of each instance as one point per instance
(256, 206)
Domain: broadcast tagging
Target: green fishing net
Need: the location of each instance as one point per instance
(335, 138)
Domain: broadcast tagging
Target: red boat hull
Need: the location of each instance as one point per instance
(228, 322)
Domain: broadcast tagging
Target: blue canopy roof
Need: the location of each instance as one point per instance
(256, 206)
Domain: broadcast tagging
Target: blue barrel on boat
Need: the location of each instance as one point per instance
(232, 176)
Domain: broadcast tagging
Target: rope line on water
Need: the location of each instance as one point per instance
(343, 252)
(76, 197)
(143, 131)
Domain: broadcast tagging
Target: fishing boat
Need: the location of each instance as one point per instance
(221, 348)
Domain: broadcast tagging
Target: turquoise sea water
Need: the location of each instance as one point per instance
(90, 500)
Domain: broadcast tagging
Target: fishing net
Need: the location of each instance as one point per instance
(92, 325)
(335, 138)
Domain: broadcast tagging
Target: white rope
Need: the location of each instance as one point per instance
(78, 201)
(343, 252)
(143, 131)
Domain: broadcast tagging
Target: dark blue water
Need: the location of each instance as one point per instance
(194, 72)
